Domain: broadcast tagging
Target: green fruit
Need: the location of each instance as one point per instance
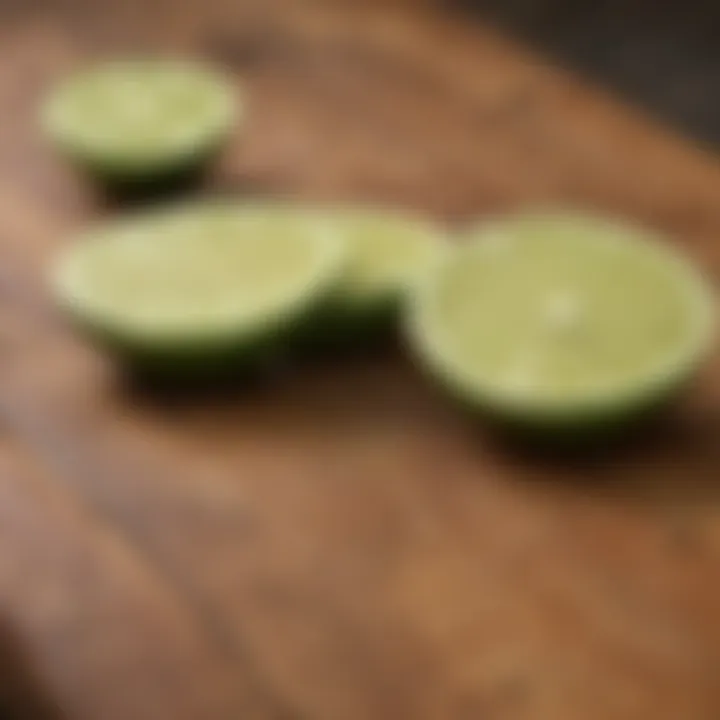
(199, 289)
(388, 252)
(562, 323)
(139, 123)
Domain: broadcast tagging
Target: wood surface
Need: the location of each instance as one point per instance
(340, 544)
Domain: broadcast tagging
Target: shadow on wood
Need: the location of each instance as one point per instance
(662, 55)
(22, 696)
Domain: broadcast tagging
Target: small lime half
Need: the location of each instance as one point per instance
(558, 321)
(388, 252)
(140, 119)
(203, 285)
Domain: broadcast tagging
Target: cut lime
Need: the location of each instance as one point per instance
(564, 320)
(141, 119)
(200, 284)
(388, 252)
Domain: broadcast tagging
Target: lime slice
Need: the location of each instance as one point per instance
(388, 252)
(202, 283)
(140, 118)
(556, 321)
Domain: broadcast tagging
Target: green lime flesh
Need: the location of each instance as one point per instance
(562, 320)
(131, 119)
(199, 285)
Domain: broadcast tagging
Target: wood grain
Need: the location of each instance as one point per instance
(339, 544)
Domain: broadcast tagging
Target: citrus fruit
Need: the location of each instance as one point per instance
(135, 121)
(559, 321)
(388, 252)
(199, 287)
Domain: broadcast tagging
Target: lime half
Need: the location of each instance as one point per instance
(564, 320)
(202, 284)
(388, 252)
(141, 118)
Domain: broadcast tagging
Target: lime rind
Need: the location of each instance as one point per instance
(627, 398)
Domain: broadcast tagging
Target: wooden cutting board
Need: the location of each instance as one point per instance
(340, 545)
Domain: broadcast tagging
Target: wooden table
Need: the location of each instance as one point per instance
(341, 545)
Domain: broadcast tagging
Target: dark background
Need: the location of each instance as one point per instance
(661, 54)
